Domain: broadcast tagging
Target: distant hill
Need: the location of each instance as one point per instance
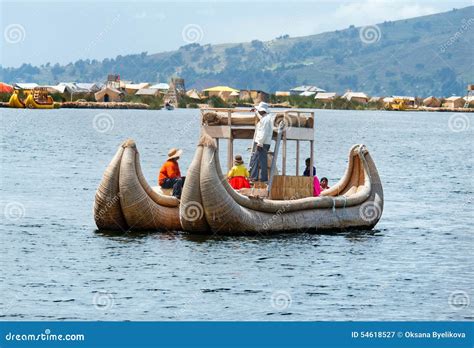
(429, 55)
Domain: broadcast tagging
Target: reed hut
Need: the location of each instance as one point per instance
(325, 97)
(193, 94)
(133, 88)
(255, 95)
(162, 87)
(469, 101)
(432, 102)
(152, 92)
(454, 102)
(223, 92)
(356, 97)
(25, 86)
(109, 94)
(306, 90)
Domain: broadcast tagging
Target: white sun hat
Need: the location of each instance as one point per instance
(262, 107)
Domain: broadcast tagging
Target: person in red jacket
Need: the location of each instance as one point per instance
(170, 176)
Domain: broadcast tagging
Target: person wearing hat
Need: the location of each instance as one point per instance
(263, 139)
(238, 174)
(170, 176)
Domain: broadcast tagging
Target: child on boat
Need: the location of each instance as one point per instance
(238, 174)
(324, 184)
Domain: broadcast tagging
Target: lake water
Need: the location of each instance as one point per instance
(417, 263)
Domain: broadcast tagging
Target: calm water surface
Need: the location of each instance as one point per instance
(417, 263)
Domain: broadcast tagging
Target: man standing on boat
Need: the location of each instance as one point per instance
(262, 141)
(170, 176)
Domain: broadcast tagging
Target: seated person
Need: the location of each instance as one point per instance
(324, 184)
(316, 186)
(238, 174)
(170, 176)
(306, 171)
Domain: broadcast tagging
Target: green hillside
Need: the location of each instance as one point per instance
(430, 55)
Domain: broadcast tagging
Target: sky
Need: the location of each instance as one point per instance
(39, 32)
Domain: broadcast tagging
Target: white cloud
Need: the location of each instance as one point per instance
(375, 11)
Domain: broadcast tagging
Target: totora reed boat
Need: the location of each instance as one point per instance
(124, 200)
(15, 101)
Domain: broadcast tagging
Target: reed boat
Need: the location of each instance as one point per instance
(15, 101)
(39, 99)
(125, 201)
(210, 205)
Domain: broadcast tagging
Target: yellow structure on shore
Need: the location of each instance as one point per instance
(38, 98)
(400, 103)
(15, 101)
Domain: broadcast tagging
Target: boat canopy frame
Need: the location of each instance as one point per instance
(232, 131)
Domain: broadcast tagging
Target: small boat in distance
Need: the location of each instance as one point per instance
(169, 106)
(39, 99)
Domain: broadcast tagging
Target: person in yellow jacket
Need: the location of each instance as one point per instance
(238, 174)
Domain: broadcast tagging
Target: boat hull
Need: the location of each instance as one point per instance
(125, 201)
(356, 202)
(15, 102)
(31, 103)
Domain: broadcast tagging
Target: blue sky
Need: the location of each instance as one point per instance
(38, 32)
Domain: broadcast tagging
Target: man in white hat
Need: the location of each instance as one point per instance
(170, 176)
(263, 139)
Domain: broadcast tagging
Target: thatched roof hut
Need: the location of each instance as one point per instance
(454, 102)
(109, 94)
(432, 102)
(255, 95)
(132, 88)
(153, 92)
(325, 97)
(357, 97)
(223, 92)
(194, 94)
